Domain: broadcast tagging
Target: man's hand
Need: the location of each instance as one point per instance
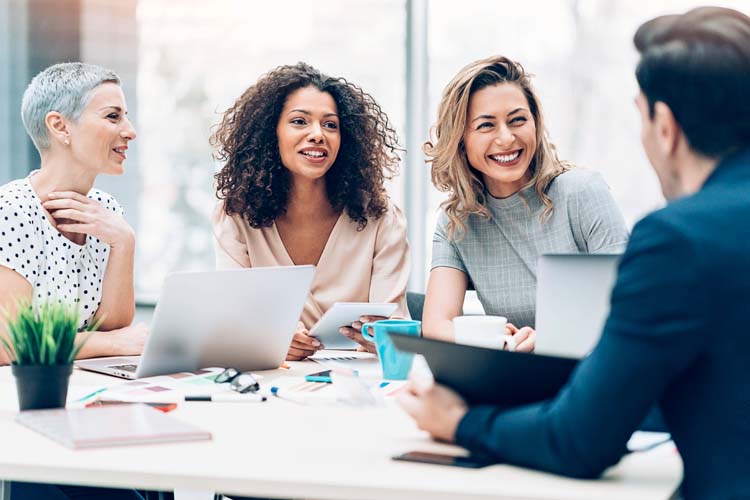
(436, 409)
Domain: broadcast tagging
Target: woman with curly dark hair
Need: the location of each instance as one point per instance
(305, 159)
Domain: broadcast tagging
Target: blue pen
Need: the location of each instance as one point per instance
(281, 394)
(89, 396)
(302, 397)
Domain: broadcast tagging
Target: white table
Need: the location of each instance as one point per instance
(287, 450)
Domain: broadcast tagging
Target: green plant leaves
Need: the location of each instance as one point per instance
(44, 335)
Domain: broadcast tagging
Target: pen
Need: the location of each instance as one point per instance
(91, 395)
(231, 397)
(228, 397)
(283, 395)
(304, 397)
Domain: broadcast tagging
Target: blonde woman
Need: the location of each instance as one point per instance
(510, 200)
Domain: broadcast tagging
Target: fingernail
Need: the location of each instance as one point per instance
(315, 343)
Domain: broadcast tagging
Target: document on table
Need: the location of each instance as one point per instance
(364, 363)
(166, 388)
(644, 441)
(332, 354)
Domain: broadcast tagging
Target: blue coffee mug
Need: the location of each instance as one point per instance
(396, 364)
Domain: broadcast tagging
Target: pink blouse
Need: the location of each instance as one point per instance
(371, 265)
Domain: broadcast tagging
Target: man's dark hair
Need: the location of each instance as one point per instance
(698, 64)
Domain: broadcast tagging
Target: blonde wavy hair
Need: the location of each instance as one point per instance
(451, 172)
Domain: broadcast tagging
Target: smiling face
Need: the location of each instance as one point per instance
(500, 137)
(308, 133)
(99, 139)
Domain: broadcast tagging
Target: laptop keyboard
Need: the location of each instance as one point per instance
(126, 368)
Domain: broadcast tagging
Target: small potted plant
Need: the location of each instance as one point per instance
(42, 343)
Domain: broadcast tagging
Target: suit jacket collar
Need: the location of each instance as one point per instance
(733, 166)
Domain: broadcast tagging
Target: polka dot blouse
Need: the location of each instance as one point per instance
(56, 268)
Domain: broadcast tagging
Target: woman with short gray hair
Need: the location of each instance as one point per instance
(61, 239)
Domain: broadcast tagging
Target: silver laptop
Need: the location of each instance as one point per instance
(572, 302)
(243, 318)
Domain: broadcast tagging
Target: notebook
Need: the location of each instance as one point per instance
(119, 425)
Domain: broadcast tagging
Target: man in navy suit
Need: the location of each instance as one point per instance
(678, 333)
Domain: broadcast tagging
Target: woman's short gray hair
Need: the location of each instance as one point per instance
(64, 88)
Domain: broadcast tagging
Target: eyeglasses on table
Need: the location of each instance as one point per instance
(242, 382)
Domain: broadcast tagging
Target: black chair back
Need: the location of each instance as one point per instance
(415, 303)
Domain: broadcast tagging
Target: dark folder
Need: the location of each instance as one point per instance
(490, 376)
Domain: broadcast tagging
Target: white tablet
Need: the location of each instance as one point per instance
(344, 314)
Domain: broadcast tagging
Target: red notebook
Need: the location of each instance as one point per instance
(118, 425)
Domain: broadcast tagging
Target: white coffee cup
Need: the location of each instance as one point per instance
(483, 331)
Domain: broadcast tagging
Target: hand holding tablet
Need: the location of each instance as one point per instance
(344, 314)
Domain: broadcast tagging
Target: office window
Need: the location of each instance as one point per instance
(182, 65)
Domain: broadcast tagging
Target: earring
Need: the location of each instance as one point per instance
(67, 142)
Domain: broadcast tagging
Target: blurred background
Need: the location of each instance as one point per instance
(183, 62)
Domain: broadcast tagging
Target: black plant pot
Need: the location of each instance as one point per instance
(42, 386)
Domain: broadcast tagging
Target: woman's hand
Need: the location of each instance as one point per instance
(76, 213)
(128, 341)
(525, 338)
(303, 345)
(354, 333)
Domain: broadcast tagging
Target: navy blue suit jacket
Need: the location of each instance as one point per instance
(678, 335)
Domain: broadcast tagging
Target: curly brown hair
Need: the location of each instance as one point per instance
(253, 181)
